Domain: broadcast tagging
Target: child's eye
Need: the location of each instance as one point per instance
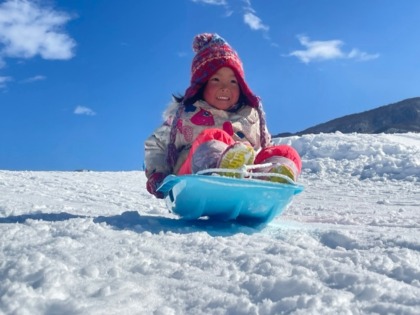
(214, 79)
(234, 81)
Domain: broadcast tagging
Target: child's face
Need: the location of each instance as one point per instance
(222, 89)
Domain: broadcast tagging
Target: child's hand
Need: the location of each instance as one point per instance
(153, 183)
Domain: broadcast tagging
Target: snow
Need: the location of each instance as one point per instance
(98, 243)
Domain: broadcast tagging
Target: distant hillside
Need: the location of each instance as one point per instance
(399, 117)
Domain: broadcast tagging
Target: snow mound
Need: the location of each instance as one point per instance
(378, 157)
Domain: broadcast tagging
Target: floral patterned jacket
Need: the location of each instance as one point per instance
(243, 124)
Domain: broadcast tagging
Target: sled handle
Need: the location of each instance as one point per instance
(244, 172)
(168, 183)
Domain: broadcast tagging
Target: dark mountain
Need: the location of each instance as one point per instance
(399, 117)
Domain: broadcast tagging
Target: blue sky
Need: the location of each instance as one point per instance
(84, 83)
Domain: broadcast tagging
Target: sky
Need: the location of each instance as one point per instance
(76, 243)
(84, 83)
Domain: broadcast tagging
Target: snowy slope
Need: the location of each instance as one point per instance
(98, 243)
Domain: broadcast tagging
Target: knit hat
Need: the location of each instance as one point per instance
(213, 53)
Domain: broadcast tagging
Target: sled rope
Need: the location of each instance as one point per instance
(244, 172)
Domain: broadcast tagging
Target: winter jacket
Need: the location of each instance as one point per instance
(243, 124)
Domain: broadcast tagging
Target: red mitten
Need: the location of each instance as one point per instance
(153, 183)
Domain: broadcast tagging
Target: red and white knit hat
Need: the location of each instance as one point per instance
(213, 53)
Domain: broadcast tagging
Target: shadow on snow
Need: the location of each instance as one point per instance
(132, 220)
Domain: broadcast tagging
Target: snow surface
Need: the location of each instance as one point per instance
(98, 243)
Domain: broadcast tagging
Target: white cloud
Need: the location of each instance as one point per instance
(327, 50)
(362, 56)
(28, 30)
(82, 110)
(211, 2)
(318, 50)
(250, 18)
(34, 79)
(222, 3)
(3, 81)
(254, 22)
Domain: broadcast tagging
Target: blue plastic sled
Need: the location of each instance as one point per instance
(251, 201)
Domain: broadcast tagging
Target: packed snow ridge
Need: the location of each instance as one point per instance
(98, 243)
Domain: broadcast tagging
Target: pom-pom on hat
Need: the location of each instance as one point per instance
(213, 53)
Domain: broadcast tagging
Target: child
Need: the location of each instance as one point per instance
(219, 122)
